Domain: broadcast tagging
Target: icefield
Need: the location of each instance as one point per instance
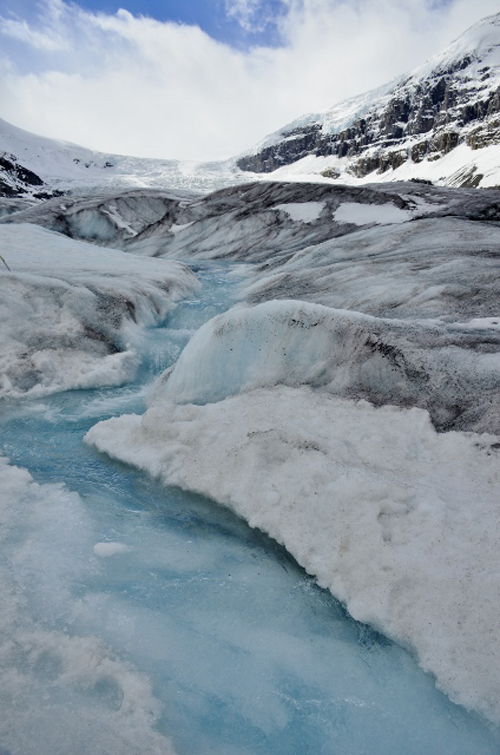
(250, 463)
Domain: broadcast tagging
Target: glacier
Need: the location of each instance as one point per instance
(287, 497)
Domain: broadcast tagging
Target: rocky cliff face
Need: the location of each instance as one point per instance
(453, 99)
(17, 180)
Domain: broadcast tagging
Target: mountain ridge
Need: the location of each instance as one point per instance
(451, 100)
(438, 124)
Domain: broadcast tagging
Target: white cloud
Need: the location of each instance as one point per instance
(243, 11)
(40, 40)
(137, 86)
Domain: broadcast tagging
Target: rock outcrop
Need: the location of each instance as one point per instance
(452, 99)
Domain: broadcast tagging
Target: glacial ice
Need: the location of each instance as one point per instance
(86, 309)
(346, 353)
(265, 411)
(261, 412)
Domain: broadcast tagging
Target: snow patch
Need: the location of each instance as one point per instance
(305, 212)
(364, 214)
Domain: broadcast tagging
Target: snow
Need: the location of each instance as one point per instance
(305, 212)
(362, 214)
(372, 501)
(86, 308)
(106, 550)
(481, 41)
(333, 120)
(69, 167)
(445, 171)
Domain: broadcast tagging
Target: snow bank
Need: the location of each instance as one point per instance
(452, 169)
(71, 314)
(342, 352)
(400, 523)
(60, 692)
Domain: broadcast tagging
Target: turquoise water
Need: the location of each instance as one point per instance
(245, 653)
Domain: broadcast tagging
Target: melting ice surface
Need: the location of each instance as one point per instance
(136, 614)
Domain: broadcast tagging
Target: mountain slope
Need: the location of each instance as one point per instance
(450, 106)
(32, 164)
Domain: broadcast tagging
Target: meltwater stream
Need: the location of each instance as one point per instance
(135, 614)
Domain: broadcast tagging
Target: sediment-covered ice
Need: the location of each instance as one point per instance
(431, 267)
(398, 521)
(61, 691)
(269, 222)
(71, 314)
(430, 365)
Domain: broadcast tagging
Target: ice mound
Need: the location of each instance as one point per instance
(71, 314)
(399, 522)
(433, 366)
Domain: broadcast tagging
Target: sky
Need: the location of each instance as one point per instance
(205, 80)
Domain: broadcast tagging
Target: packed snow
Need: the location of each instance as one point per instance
(73, 315)
(397, 521)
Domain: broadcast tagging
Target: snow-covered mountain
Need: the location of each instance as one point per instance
(34, 166)
(441, 123)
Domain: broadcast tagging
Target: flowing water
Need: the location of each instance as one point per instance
(243, 653)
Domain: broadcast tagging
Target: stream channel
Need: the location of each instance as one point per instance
(242, 652)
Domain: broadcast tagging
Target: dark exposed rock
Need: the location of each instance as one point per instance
(17, 180)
